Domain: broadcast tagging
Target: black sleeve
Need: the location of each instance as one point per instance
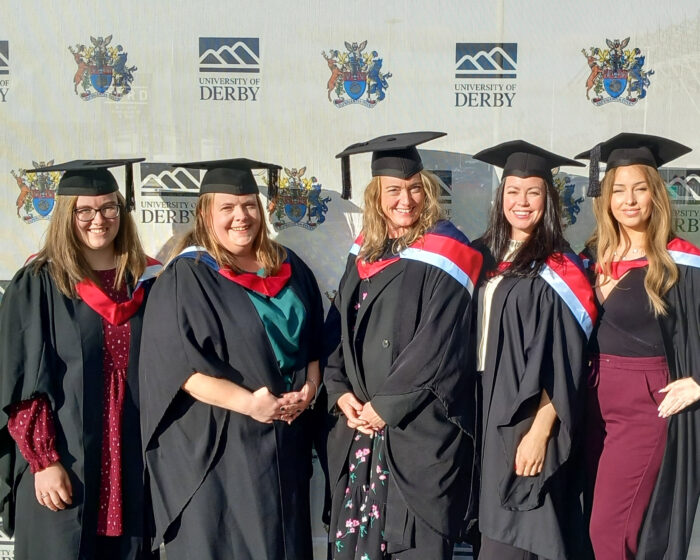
(334, 377)
(554, 362)
(25, 365)
(434, 360)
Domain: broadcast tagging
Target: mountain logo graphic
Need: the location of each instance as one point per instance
(229, 54)
(486, 60)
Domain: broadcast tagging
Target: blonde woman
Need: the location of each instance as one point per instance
(230, 365)
(644, 424)
(402, 449)
(70, 325)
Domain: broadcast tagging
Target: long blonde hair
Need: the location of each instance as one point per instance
(268, 253)
(662, 273)
(62, 250)
(375, 230)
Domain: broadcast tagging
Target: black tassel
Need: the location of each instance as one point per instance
(593, 173)
(129, 187)
(273, 176)
(346, 193)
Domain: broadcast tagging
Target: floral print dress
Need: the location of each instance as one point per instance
(360, 529)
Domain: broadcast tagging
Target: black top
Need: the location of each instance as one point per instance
(625, 328)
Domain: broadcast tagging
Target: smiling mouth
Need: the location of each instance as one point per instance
(522, 214)
(97, 230)
(403, 210)
(240, 228)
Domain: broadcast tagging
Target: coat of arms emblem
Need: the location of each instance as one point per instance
(355, 74)
(37, 192)
(298, 202)
(617, 74)
(102, 70)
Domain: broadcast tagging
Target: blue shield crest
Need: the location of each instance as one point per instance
(295, 211)
(101, 77)
(615, 84)
(43, 204)
(355, 84)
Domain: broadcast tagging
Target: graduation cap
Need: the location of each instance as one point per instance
(628, 148)
(522, 159)
(234, 176)
(393, 155)
(91, 177)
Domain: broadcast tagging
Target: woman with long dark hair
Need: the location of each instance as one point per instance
(535, 312)
(402, 448)
(70, 325)
(644, 426)
(230, 365)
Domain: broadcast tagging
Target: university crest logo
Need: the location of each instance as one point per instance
(570, 205)
(37, 192)
(101, 67)
(300, 201)
(616, 74)
(354, 74)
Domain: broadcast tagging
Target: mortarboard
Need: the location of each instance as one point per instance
(522, 159)
(393, 155)
(628, 148)
(91, 177)
(234, 176)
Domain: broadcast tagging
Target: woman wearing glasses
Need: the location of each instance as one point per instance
(70, 324)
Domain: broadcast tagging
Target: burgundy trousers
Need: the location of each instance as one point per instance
(626, 441)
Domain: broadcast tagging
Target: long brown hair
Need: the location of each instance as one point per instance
(662, 273)
(268, 253)
(62, 249)
(375, 230)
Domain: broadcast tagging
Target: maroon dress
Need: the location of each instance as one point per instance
(31, 422)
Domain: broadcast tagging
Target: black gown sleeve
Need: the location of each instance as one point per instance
(552, 360)
(182, 335)
(335, 378)
(433, 357)
(25, 366)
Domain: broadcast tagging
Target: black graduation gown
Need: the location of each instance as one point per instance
(223, 485)
(668, 523)
(52, 344)
(418, 345)
(534, 344)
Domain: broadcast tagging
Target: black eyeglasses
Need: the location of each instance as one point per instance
(109, 212)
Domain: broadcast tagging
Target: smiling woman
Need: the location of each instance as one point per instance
(70, 326)
(231, 348)
(534, 313)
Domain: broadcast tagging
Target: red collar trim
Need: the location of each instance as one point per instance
(268, 286)
(114, 313)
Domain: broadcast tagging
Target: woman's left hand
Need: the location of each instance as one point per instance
(679, 395)
(296, 402)
(529, 457)
(369, 415)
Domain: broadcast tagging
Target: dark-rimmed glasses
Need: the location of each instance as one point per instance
(109, 212)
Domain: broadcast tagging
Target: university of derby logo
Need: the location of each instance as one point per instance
(569, 203)
(101, 67)
(485, 74)
(683, 186)
(233, 68)
(37, 192)
(616, 71)
(4, 70)
(168, 194)
(300, 201)
(355, 73)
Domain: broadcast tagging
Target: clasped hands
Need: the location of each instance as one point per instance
(361, 416)
(265, 407)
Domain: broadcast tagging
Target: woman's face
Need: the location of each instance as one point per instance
(630, 202)
(98, 233)
(236, 221)
(402, 201)
(524, 200)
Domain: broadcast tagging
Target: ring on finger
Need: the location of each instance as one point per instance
(44, 496)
